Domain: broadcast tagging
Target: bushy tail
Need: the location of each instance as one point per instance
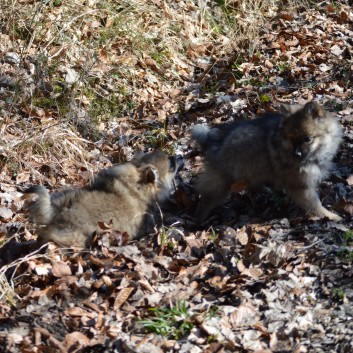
(41, 210)
(200, 133)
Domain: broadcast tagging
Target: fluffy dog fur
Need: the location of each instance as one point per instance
(122, 194)
(291, 150)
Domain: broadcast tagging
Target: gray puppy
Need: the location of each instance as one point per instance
(122, 194)
(291, 150)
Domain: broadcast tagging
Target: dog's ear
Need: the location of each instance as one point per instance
(137, 159)
(314, 110)
(289, 109)
(148, 174)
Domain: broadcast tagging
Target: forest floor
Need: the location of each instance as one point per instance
(86, 84)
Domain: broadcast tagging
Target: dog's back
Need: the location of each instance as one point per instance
(121, 194)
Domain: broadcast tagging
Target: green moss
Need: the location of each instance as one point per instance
(12, 165)
(348, 237)
(160, 56)
(42, 102)
(346, 255)
(338, 294)
(264, 98)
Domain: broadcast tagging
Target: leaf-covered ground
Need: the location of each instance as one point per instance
(84, 84)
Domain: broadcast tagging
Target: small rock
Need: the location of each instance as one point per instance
(12, 58)
(5, 213)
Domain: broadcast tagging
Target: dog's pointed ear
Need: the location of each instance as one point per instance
(314, 110)
(289, 109)
(148, 174)
(136, 160)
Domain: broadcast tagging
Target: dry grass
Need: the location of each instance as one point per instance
(54, 145)
(84, 66)
(7, 276)
(7, 293)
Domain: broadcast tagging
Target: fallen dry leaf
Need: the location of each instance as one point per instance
(75, 341)
(121, 297)
(61, 269)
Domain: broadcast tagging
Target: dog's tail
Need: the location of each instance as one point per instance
(41, 210)
(200, 134)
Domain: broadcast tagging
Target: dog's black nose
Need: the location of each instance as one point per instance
(298, 153)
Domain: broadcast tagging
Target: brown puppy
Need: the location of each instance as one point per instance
(122, 194)
(291, 150)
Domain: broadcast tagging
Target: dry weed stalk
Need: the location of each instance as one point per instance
(8, 273)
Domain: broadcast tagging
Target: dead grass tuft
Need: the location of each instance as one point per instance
(37, 154)
(7, 293)
(8, 276)
(88, 65)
